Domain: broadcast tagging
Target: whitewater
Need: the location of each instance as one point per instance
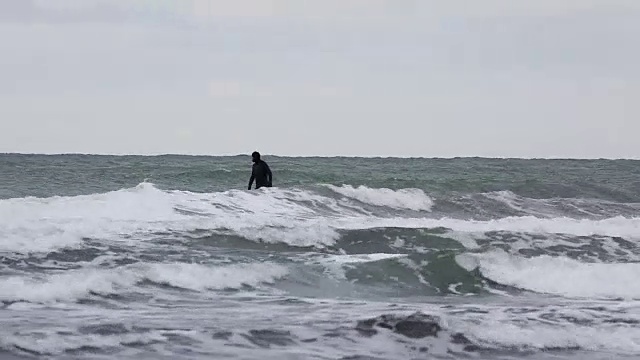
(171, 257)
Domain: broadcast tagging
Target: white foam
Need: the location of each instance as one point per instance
(557, 275)
(50, 342)
(69, 285)
(77, 284)
(557, 206)
(294, 217)
(515, 202)
(467, 240)
(361, 258)
(618, 226)
(295, 233)
(501, 330)
(335, 265)
(43, 225)
(412, 199)
(200, 277)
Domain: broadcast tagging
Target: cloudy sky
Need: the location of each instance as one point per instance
(498, 78)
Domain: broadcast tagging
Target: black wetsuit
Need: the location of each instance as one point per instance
(261, 174)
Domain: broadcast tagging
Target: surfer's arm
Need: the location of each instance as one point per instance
(269, 173)
(251, 180)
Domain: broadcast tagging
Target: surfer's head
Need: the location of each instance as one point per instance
(256, 156)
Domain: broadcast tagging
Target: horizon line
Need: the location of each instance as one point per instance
(322, 156)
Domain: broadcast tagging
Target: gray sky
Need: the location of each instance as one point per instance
(499, 78)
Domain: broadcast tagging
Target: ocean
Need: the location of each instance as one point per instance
(170, 257)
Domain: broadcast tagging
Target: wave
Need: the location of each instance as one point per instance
(78, 284)
(498, 333)
(336, 265)
(55, 343)
(410, 199)
(557, 275)
(553, 207)
(498, 330)
(201, 277)
(291, 216)
(618, 226)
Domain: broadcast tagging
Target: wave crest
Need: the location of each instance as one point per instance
(79, 284)
(292, 216)
(410, 199)
(557, 275)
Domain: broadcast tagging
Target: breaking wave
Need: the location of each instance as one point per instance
(292, 216)
(557, 275)
(411, 199)
(71, 285)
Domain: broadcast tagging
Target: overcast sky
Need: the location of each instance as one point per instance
(498, 78)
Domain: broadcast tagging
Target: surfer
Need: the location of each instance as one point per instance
(260, 172)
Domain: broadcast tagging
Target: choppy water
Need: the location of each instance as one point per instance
(171, 257)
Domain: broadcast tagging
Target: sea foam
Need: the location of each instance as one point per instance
(77, 284)
(557, 275)
(411, 199)
(293, 216)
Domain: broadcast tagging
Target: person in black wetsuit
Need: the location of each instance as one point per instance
(260, 172)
